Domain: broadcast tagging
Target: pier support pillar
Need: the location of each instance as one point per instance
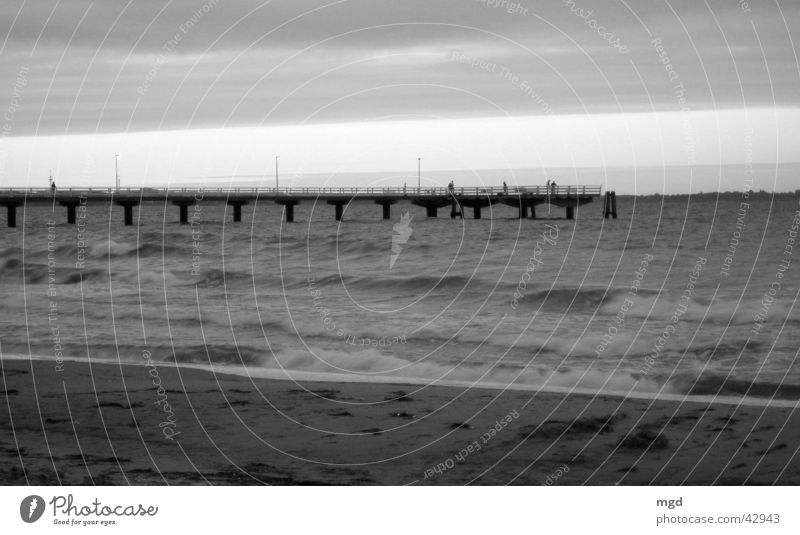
(570, 212)
(533, 212)
(237, 209)
(289, 209)
(387, 208)
(610, 205)
(523, 209)
(476, 212)
(71, 206)
(184, 209)
(614, 204)
(430, 210)
(128, 206)
(456, 210)
(11, 210)
(338, 209)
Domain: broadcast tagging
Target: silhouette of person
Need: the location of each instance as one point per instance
(52, 186)
(505, 188)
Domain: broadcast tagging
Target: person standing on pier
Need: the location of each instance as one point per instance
(52, 186)
(451, 187)
(505, 188)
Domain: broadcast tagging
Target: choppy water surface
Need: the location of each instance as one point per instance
(679, 295)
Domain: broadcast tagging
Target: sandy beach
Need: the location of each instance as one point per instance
(109, 424)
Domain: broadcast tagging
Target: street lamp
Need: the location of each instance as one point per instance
(276, 173)
(419, 175)
(116, 170)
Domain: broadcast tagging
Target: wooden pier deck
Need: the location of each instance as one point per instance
(524, 198)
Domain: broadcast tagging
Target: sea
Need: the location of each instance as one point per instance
(682, 296)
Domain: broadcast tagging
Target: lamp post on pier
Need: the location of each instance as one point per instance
(276, 173)
(419, 175)
(116, 170)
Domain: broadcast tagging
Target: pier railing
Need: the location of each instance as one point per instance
(524, 198)
(298, 191)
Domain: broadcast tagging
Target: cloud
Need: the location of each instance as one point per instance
(152, 65)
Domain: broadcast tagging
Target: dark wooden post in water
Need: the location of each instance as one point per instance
(610, 205)
(570, 212)
(289, 208)
(614, 204)
(237, 208)
(533, 211)
(430, 210)
(476, 211)
(11, 210)
(71, 205)
(339, 208)
(128, 206)
(184, 205)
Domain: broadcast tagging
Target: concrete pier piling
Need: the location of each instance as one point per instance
(387, 207)
(288, 208)
(520, 198)
(128, 205)
(11, 211)
(237, 208)
(456, 210)
(71, 209)
(183, 205)
(338, 209)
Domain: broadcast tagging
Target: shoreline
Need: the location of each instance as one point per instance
(276, 374)
(101, 423)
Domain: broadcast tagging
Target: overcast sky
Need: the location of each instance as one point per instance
(377, 68)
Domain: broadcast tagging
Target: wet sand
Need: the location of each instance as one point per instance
(109, 424)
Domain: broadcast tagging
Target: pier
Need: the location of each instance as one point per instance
(461, 201)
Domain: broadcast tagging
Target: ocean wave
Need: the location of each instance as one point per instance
(33, 273)
(414, 283)
(212, 277)
(372, 364)
(112, 249)
(14, 270)
(576, 299)
(712, 384)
